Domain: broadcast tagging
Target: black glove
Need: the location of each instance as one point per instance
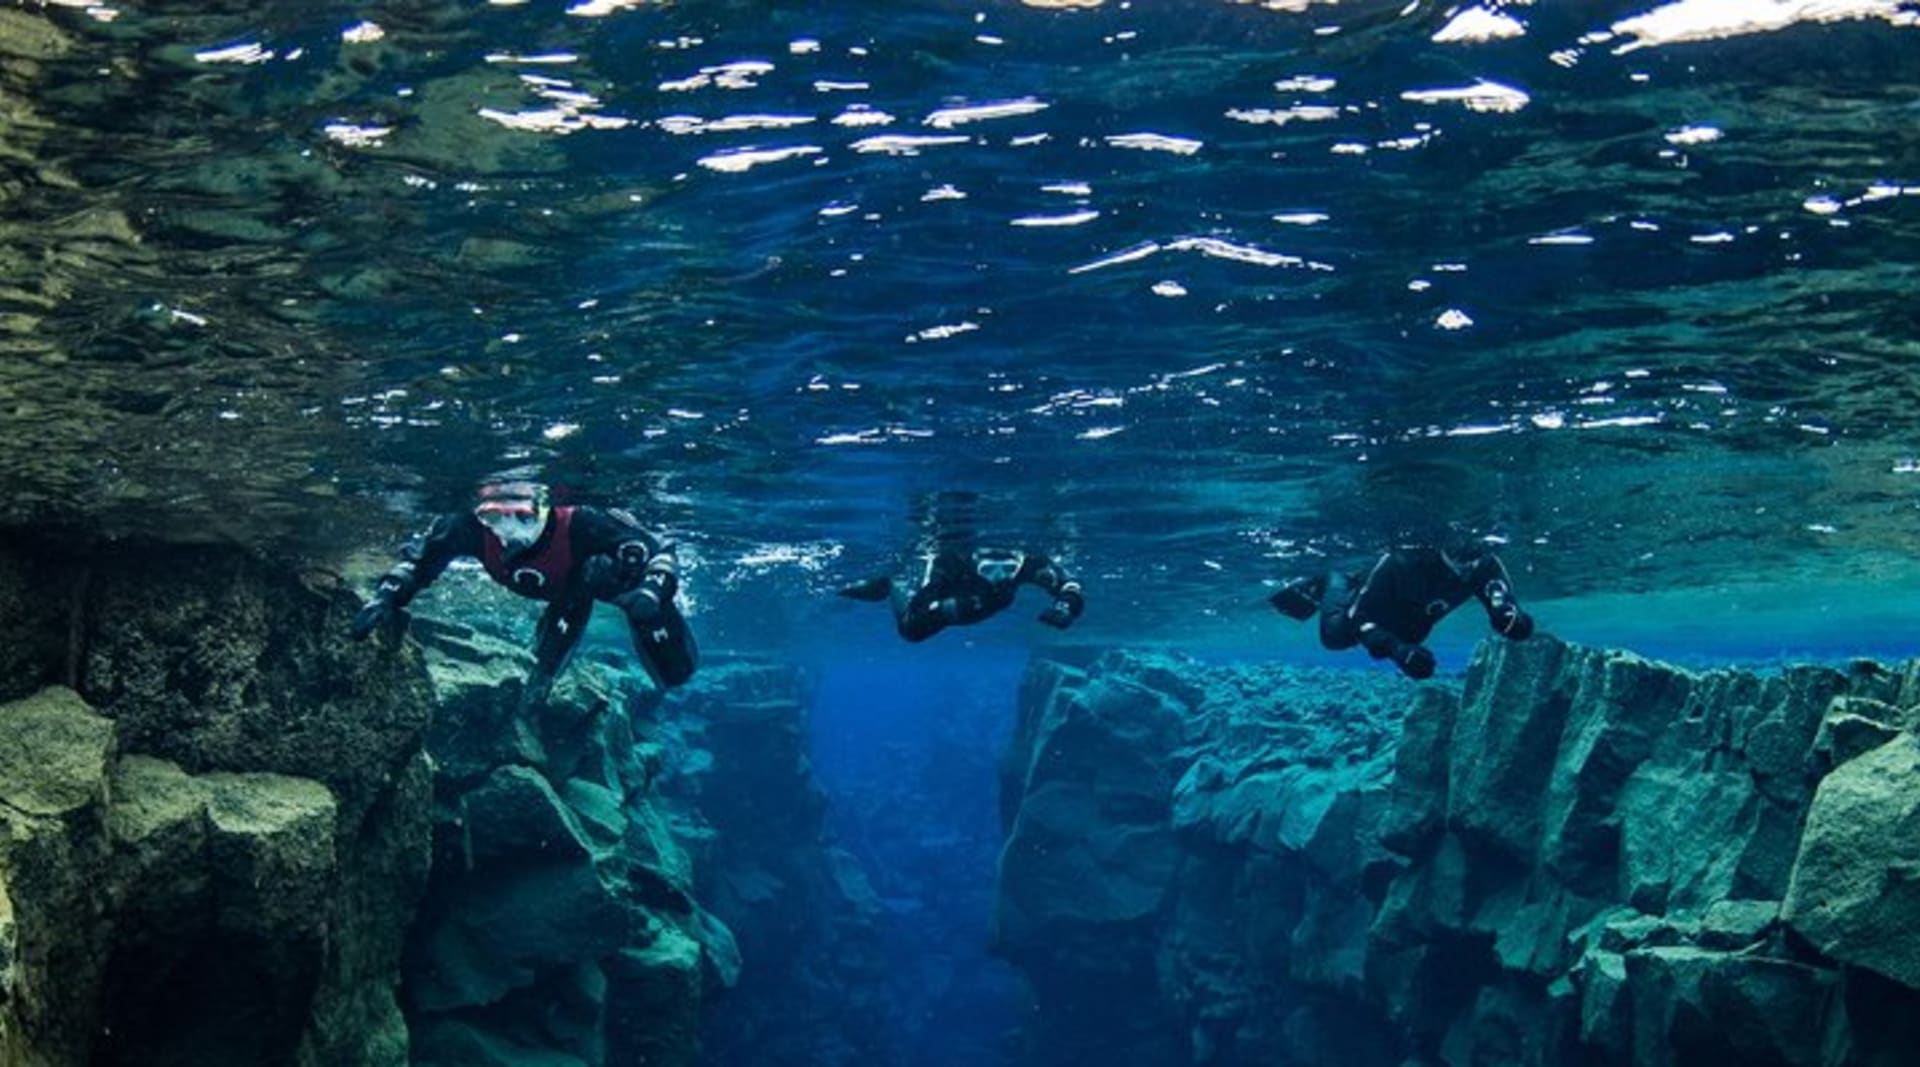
(641, 605)
(380, 613)
(1519, 627)
(1294, 602)
(600, 576)
(1059, 616)
(1415, 661)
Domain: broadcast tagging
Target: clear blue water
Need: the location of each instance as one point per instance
(908, 752)
(1190, 294)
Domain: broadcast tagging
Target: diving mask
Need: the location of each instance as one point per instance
(998, 567)
(515, 519)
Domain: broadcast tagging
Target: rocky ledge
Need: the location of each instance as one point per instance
(212, 814)
(560, 924)
(1580, 857)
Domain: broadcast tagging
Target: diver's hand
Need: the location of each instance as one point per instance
(1293, 601)
(642, 605)
(1415, 661)
(1059, 616)
(380, 613)
(607, 573)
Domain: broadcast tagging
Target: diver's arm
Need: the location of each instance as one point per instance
(1495, 591)
(423, 560)
(1068, 602)
(641, 571)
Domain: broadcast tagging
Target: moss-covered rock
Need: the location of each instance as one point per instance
(255, 672)
(57, 753)
(168, 868)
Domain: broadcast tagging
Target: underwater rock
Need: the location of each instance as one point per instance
(1855, 892)
(54, 864)
(647, 988)
(32, 652)
(1156, 873)
(258, 673)
(55, 761)
(1091, 856)
(1581, 857)
(217, 831)
(1691, 1005)
(559, 925)
(522, 818)
(1854, 726)
(1095, 820)
(491, 935)
(270, 848)
(452, 1041)
(142, 898)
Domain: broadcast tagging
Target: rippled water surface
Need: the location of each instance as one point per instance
(1182, 291)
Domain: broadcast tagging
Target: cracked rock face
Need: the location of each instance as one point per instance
(214, 834)
(1581, 857)
(808, 984)
(139, 897)
(1855, 889)
(560, 923)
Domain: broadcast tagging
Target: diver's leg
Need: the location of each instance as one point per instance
(1338, 630)
(555, 637)
(1300, 598)
(665, 647)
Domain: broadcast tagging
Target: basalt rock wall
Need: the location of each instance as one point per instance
(229, 834)
(560, 925)
(212, 813)
(1579, 857)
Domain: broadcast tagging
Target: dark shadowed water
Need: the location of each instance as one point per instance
(1183, 292)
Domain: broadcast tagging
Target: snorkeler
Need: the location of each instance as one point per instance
(1398, 603)
(960, 586)
(567, 556)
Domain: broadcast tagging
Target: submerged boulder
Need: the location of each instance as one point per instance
(1855, 891)
(57, 754)
(153, 913)
(1189, 862)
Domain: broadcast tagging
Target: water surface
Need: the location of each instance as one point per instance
(1192, 294)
